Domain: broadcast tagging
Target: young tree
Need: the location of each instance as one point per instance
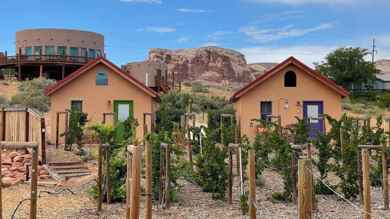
(347, 66)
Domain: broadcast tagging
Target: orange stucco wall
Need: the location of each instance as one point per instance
(99, 99)
(308, 89)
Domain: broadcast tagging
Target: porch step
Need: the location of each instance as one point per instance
(70, 167)
(65, 163)
(63, 170)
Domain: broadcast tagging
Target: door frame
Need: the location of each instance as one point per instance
(320, 113)
(115, 108)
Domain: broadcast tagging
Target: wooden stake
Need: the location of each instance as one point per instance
(43, 140)
(57, 129)
(106, 148)
(305, 189)
(252, 184)
(34, 184)
(135, 182)
(241, 171)
(100, 178)
(3, 128)
(148, 163)
(27, 126)
(385, 175)
(360, 176)
(230, 189)
(1, 186)
(128, 183)
(366, 185)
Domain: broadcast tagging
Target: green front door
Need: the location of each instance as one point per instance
(123, 109)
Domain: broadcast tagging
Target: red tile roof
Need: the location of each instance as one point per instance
(60, 84)
(290, 61)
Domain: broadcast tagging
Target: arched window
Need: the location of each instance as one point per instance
(290, 79)
(101, 79)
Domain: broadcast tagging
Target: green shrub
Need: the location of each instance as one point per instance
(77, 121)
(384, 100)
(244, 204)
(3, 101)
(212, 169)
(197, 87)
(31, 94)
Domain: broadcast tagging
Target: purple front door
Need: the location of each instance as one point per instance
(313, 113)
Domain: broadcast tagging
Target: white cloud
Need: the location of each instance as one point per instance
(210, 44)
(183, 40)
(217, 35)
(158, 29)
(192, 10)
(143, 1)
(268, 35)
(308, 54)
(301, 2)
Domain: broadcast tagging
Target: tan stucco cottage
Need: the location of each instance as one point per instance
(101, 87)
(290, 89)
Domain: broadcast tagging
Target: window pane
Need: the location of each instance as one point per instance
(28, 51)
(74, 51)
(37, 50)
(123, 111)
(84, 52)
(49, 50)
(61, 50)
(76, 105)
(312, 113)
(92, 53)
(266, 109)
(101, 78)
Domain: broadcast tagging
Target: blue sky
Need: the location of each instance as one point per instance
(263, 30)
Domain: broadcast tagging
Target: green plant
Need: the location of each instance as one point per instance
(211, 168)
(74, 135)
(31, 94)
(9, 74)
(244, 204)
(384, 100)
(3, 101)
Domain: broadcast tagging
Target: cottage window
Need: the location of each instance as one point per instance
(76, 105)
(265, 110)
(290, 79)
(101, 79)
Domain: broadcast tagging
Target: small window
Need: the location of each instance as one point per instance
(76, 105)
(28, 51)
(74, 51)
(101, 79)
(49, 50)
(290, 79)
(37, 50)
(265, 110)
(61, 51)
(92, 53)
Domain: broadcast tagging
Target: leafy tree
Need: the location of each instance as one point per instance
(31, 94)
(348, 67)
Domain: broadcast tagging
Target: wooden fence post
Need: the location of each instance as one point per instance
(100, 180)
(241, 171)
(294, 175)
(34, 184)
(57, 129)
(3, 128)
(107, 155)
(128, 183)
(360, 176)
(366, 184)
(1, 199)
(305, 189)
(230, 183)
(148, 163)
(43, 140)
(385, 180)
(252, 184)
(135, 182)
(27, 126)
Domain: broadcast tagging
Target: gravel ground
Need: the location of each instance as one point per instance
(193, 203)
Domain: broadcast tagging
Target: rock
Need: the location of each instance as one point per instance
(19, 158)
(7, 181)
(6, 162)
(13, 154)
(27, 156)
(43, 172)
(46, 176)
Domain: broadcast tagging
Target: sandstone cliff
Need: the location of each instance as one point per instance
(208, 64)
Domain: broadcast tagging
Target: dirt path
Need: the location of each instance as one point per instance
(192, 203)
